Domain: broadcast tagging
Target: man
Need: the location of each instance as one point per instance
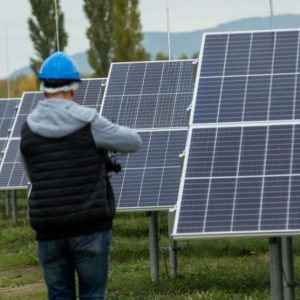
(71, 204)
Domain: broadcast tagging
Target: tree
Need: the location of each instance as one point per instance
(127, 33)
(195, 55)
(99, 33)
(161, 56)
(42, 27)
(18, 86)
(115, 33)
(183, 56)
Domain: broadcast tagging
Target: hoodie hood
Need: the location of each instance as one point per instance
(56, 118)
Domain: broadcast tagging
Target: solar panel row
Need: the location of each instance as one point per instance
(151, 97)
(12, 174)
(242, 167)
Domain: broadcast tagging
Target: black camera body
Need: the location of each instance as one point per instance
(112, 165)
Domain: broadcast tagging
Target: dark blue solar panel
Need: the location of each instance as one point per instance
(8, 109)
(248, 77)
(28, 103)
(12, 173)
(90, 93)
(153, 94)
(150, 177)
(241, 179)
(150, 95)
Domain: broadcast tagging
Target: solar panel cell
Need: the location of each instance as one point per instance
(246, 211)
(257, 98)
(252, 153)
(262, 52)
(232, 103)
(238, 54)
(285, 57)
(214, 55)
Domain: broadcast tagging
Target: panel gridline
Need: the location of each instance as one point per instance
(12, 174)
(152, 97)
(242, 177)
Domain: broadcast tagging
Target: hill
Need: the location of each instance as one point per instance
(189, 42)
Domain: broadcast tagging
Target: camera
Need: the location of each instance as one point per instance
(111, 164)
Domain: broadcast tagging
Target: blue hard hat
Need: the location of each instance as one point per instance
(59, 66)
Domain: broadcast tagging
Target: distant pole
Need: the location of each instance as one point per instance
(272, 14)
(56, 21)
(168, 28)
(7, 63)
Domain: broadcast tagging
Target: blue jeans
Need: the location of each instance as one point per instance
(87, 255)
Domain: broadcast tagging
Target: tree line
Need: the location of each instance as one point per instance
(114, 33)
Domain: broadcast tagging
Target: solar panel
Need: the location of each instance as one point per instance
(150, 177)
(12, 175)
(241, 171)
(151, 97)
(8, 109)
(148, 95)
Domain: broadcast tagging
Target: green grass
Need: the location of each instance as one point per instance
(221, 269)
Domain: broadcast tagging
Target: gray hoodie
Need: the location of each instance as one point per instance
(56, 118)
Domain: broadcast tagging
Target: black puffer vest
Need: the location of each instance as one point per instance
(70, 192)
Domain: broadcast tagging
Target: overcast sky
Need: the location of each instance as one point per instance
(185, 15)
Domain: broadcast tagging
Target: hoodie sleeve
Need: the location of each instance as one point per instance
(113, 137)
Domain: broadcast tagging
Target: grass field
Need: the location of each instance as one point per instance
(222, 269)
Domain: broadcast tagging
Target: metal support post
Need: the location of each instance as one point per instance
(172, 244)
(275, 268)
(154, 245)
(27, 196)
(14, 212)
(288, 268)
(6, 203)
